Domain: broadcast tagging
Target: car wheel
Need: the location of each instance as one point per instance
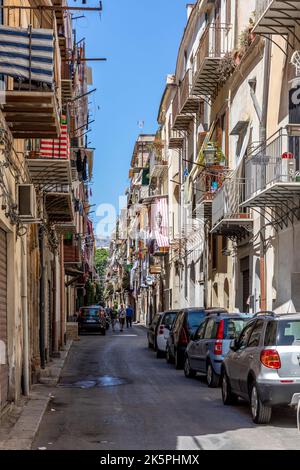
(228, 397)
(178, 361)
(212, 378)
(169, 357)
(188, 371)
(159, 353)
(261, 414)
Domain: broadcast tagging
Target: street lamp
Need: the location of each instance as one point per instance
(209, 154)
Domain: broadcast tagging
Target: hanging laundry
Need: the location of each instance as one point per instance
(79, 161)
(84, 170)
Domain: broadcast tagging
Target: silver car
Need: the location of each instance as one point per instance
(263, 365)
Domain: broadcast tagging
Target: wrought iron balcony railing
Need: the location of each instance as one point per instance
(272, 171)
(276, 16)
(214, 44)
(227, 217)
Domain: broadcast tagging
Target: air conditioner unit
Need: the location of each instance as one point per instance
(26, 202)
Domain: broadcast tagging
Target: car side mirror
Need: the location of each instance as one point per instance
(234, 345)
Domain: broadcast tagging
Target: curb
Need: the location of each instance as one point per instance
(24, 431)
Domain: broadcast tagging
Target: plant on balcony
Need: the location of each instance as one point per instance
(226, 68)
(246, 38)
(157, 147)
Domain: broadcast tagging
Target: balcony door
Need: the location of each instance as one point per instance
(217, 32)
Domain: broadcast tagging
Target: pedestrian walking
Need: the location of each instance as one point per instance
(122, 317)
(129, 316)
(113, 317)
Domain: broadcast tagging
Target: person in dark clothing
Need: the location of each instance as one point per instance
(129, 316)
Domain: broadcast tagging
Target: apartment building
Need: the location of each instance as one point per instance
(229, 126)
(47, 241)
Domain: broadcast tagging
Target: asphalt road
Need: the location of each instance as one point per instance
(115, 395)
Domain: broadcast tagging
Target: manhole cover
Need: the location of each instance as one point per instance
(103, 381)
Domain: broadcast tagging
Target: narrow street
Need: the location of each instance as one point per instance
(114, 394)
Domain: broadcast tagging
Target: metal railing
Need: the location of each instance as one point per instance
(277, 160)
(214, 43)
(260, 7)
(227, 200)
(186, 87)
(175, 106)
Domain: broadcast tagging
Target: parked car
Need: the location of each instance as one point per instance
(263, 365)
(163, 331)
(210, 344)
(92, 319)
(152, 331)
(185, 325)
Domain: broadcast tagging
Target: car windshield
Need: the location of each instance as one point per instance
(194, 319)
(288, 332)
(168, 319)
(233, 327)
(90, 312)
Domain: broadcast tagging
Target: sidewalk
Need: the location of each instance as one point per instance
(22, 433)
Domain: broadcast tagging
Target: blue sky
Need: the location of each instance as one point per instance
(140, 39)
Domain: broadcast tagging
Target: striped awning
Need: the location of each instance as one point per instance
(160, 222)
(27, 53)
(56, 148)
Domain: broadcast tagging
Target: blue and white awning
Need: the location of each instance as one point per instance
(23, 51)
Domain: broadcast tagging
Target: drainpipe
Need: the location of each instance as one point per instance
(263, 116)
(263, 137)
(24, 295)
(42, 296)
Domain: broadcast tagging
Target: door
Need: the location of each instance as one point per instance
(3, 321)
(250, 357)
(234, 359)
(245, 270)
(206, 343)
(194, 347)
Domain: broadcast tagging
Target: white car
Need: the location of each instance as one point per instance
(163, 331)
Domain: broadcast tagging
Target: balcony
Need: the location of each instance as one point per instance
(272, 172)
(158, 162)
(176, 140)
(143, 193)
(228, 219)
(203, 209)
(276, 17)
(32, 103)
(180, 121)
(50, 165)
(58, 201)
(214, 44)
(66, 82)
(72, 254)
(189, 103)
(31, 114)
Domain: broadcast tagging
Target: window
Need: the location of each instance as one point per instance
(270, 336)
(169, 319)
(201, 330)
(288, 332)
(256, 334)
(194, 319)
(233, 328)
(243, 339)
(211, 329)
